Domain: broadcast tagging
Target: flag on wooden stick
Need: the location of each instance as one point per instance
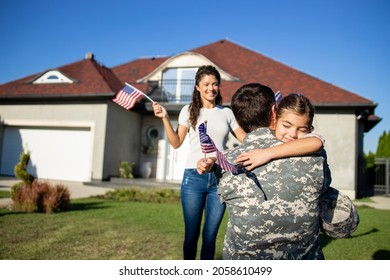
(206, 144)
(128, 96)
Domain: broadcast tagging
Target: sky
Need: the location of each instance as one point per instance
(342, 42)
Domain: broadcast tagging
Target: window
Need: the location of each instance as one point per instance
(178, 84)
(52, 77)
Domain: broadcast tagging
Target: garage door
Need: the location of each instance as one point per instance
(56, 153)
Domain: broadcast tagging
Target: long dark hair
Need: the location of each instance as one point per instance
(196, 103)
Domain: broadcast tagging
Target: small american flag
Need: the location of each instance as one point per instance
(278, 97)
(225, 164)
(207, 146)
(127, 97)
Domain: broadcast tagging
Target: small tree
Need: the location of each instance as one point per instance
(383, 150)
(20, 168)
(370, 159)
(21, 173)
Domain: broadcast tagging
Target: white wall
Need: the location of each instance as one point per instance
(340, 132)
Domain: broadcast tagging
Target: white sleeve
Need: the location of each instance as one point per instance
(231, 119)
(184, 116)
(312, 134)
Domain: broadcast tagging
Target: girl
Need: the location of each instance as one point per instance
(199, 192)
(294, 120)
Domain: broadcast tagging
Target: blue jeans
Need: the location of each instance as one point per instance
(198, 193)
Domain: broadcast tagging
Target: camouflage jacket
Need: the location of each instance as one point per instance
(274, 210)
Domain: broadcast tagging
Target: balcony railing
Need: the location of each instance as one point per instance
(172, 90)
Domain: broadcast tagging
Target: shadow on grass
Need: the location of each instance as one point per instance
(325, 240)
(87, 205)
(381, 255)
(8, 212)
(365, 233)
(74, 206)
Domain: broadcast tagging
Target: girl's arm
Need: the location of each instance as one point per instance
(176, 138)
(299, 147)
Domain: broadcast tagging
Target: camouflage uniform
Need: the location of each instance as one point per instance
(339, 217)
(273, 210)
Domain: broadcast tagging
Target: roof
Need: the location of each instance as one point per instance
(250, 66)
(90, 79)
(132, 71)
(94, 79)
(254, 67)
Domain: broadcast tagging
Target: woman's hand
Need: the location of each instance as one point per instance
(159, 111)
(205, 165)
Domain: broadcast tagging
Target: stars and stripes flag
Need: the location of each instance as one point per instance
(278, 97)
(128, 96)
(225, 164)
(207, 146)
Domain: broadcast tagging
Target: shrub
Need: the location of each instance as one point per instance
(41, 197)
(126, 169)
(24, 198)
(142, 195)
(57, 199)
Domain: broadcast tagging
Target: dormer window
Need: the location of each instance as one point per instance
(53, 77)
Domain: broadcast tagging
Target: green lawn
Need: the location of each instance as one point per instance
(100, 229)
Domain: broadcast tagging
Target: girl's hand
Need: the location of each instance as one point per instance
(159, 111)
(254, 158)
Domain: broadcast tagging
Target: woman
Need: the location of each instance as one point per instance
(199, 192)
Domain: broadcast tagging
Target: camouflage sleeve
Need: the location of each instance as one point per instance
(327, 172)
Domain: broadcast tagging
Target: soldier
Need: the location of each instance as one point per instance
(273, 209)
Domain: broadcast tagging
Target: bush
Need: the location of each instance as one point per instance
(126, 169)
(40, 197)
(57, 199)
(140, 195)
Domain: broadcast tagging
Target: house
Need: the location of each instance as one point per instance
(66, 118)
